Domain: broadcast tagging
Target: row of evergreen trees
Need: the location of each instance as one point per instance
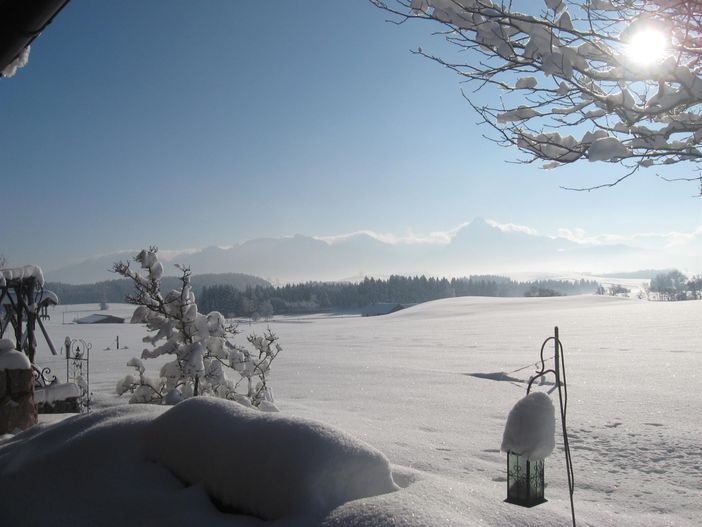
(115, 291)
(312, 297)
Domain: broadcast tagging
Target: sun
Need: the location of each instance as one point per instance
(646, 46)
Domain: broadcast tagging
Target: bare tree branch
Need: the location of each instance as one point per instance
(573, 87)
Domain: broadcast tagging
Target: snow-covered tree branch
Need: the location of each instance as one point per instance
(200, 344)
(615, 81)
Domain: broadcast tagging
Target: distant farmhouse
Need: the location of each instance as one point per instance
(100, 319)
(374, 310)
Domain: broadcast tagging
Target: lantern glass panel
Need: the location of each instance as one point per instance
(525, 480)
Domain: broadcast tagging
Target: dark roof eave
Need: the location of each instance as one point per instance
(21, 21)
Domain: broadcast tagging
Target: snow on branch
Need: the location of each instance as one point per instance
(200, 344)
(598, 80)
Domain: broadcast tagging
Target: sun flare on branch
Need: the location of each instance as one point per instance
(617, 81)
(647, 46)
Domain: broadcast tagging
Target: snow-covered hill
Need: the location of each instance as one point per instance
(405, 384)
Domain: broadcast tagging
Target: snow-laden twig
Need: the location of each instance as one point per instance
(572, 88)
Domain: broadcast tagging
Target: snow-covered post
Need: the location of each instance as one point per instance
(17, 408)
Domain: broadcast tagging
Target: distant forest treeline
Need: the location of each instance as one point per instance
(115, 291)
(313, 297)
(674, 285)
(241, 295)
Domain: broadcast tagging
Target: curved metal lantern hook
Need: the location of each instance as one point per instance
(558, 348)
(562, 387)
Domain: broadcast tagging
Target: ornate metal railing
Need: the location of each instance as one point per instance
(43, 377)
(78, 368)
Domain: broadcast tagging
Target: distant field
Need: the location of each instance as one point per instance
(402, 383)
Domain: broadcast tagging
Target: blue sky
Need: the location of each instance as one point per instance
(188, 124)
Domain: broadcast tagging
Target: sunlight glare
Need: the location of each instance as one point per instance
(646, 46)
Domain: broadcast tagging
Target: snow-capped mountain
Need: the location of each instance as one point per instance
(478, 247)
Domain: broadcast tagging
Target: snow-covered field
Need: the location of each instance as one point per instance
(403, 384)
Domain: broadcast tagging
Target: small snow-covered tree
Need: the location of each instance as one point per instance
(203, 354)
(604, 80)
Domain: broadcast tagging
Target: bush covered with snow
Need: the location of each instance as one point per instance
(200, 344)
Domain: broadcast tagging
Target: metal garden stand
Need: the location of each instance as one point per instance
(525, 477)
(78, 368)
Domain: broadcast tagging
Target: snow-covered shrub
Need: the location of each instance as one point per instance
(204, 356)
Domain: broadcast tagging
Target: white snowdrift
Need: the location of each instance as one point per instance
(56, 392)
(93, 470)
(10, 358)
(97, 469)
(7, 344)
(421, 415)
(531, 427)
(268, 465)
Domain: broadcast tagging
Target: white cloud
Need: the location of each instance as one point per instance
(512, 227)
(168, 255)
(675, 240)
(574, 235)
(642, 240)
(409, 238)
(337, 238)
(433, 238)
(649, 240)
(683, 238)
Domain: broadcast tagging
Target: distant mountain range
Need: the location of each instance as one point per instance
(478, 247)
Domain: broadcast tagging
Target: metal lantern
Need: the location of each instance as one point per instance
(525, 480)
(525, 477)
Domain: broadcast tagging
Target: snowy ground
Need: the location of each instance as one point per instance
(403, 383)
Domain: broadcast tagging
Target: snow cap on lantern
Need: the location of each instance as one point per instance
(531, 427)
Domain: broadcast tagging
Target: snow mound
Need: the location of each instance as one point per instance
(10, 358)
(206, 452)
(268, 465)
(531, 427)
(7, 344)
(56, 392)
(93, 470)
